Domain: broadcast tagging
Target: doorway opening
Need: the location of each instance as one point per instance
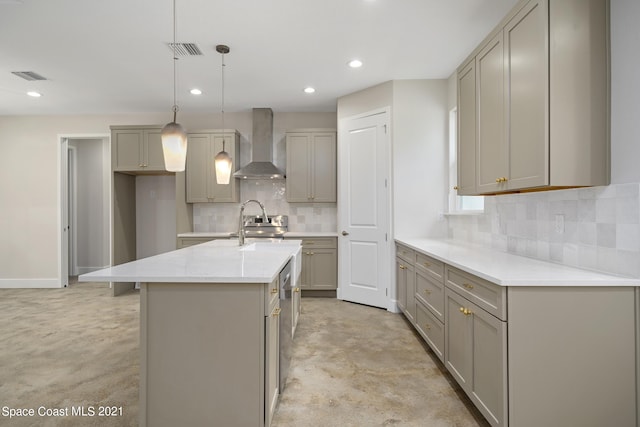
(85, 205)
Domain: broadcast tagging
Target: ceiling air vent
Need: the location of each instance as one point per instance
(186, 49)
(28, 75)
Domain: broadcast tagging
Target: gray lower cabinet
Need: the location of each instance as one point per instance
(431, 329)
(209, 354)
(272, 374)
(406, 281)
(319, 264)
(529, 356)
(476, 355)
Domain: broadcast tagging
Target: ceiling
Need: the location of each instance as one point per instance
(103, 57)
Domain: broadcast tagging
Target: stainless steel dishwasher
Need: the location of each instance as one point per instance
(286, 340)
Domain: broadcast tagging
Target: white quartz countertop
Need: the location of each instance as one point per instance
(288, 234)
(510, 270)
(217, 261)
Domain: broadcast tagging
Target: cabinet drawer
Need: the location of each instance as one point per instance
(430, 293)
(272, 297)
(430, 265)
(320, 242)
(405, 253)
(431, 329)
(485, 294)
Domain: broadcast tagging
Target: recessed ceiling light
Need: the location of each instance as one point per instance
(355, 63)
(309, 89)
(195, 91)
(34, 94)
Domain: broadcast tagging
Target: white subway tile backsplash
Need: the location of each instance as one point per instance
(628, 237)
(606, 210)
(599, 228)
(222, 217)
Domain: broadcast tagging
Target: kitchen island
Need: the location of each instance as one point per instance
(209, 331)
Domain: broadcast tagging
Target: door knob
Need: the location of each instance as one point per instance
(344, 233)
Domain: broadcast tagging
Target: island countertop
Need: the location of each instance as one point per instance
(218, 261)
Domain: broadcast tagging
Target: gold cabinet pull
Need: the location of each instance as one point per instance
(309, 242)
(274, 290)
(467, 285)
(427, 326)
(465, 311)
(296, 290)
(427, 291)
(498, 179)
(276, 311)
(402, 267)
(427, 264)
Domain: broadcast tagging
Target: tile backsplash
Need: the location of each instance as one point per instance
(222, 217)
(595, 228)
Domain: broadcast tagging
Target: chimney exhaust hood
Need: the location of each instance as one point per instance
(261, 166)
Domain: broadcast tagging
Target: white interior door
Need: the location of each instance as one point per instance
(364, 210)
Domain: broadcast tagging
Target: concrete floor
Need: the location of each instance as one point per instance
(352, 365)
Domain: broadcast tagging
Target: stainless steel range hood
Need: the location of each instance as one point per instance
(261, 166)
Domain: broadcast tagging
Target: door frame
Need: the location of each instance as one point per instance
(63, 197)
(391, 294)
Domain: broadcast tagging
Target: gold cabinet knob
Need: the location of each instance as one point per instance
(274, 290)
(276, 311)
(402, 267)
(498, 179)
(427, 326)
(456, 187)
(465, 311)
(467, 285)
(296, 290)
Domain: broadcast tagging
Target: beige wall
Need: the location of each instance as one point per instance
(419, 146)
(29, 180)
(419, 157)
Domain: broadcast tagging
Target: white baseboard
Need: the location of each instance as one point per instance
(29, 283)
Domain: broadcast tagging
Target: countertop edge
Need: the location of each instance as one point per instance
(505, 269)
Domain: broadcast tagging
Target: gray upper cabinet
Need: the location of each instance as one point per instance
(137, 149)
(311, 166)
(541, 109)
(492, 163)
(467, 129)
(200, 172)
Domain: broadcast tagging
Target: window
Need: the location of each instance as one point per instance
(458, 204)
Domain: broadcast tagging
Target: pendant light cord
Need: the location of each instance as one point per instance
(175, 59)
(222, 105)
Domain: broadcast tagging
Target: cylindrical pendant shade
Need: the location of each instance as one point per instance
(174, 147)
(223, 167)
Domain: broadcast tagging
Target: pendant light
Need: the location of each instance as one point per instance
(223, 162)
(174, 137)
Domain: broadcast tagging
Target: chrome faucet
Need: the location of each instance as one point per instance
(241, 219)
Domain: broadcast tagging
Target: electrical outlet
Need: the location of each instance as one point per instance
(559, 223)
